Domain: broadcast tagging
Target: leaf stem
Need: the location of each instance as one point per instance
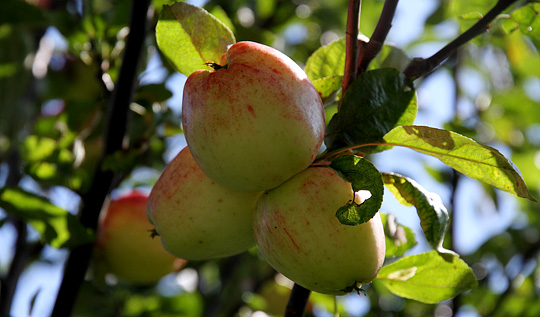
(92, 202)
(351, 44)
(369, 50)
(297, 301)
(419, 66)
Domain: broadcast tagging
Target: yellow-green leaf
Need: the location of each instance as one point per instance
(478, 161)
(428, 277)
(190, 37)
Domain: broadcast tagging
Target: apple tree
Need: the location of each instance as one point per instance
(431, 147)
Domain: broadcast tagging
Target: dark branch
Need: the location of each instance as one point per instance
(419, 66)
(297, 302)
(23, 251)
(351, 44)
(92, 202)
(369, 50)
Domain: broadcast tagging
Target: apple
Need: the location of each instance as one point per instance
(254, 121)
(125, 245)
(196, 218)
(298, 234)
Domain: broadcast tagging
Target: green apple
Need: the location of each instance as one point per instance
(253, 122)
(125, 245)
(196, 218)
(299, 235)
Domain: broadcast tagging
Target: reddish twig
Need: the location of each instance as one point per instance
(351, 44)
(369, 50)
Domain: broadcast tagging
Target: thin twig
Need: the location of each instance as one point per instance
(419, 66)
(369, 50)
(79, 258)
(297, 302)
(351, 44)
(21, 253)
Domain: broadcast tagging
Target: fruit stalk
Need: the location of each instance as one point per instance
(298, 301)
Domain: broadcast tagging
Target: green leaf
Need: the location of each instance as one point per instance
(55, 225)
(398, 238)
(21, 12)
(375, 103)
(327, 61)
(153, 92)
(428, 277)
(431, 211)
(466, 156)
(528, 20)
(190, 37)
(35, 148)
(364, 177)
(326, 86)
(390, 57)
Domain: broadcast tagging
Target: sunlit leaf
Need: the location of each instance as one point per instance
(190, 36)
(398, 238)
(326, 86)
(428, 277)
(431, 211)
(469, 12)
(363, 176)
(221, 15)
(327, 61)
(478, 161)
(55, 225)
(37, 148)
(528, 19)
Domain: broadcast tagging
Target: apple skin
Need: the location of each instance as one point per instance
(125, 245)
(196, 218)
(254, 124)
(299, 235)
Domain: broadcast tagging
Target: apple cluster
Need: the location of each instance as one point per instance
(254, 125)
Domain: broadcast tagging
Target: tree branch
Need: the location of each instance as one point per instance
(419, 66)
(297, 302)
(369, 50)
(92, 202)
(23, 250)
(351, 44)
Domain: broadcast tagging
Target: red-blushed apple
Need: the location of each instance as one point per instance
(299, 235)
(196, 218)
(125, 244)
(254, 122)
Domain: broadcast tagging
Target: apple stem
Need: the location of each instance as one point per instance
(216, 66)
(297, 301)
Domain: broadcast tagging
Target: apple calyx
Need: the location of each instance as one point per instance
(357, 287)
(153, 233)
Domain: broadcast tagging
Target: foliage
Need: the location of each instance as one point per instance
(55, 93)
